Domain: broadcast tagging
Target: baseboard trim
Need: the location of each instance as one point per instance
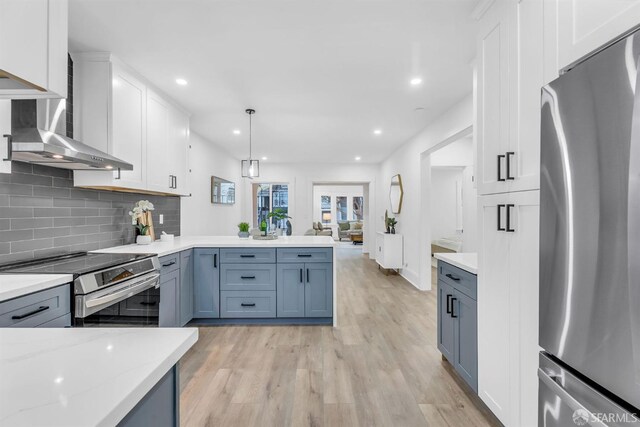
(263, 321)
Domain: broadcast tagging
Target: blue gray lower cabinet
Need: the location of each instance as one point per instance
(49, 308)
(290, 290)
(247, 304)
(169, 315)
(458, 321)
(305, 289)
(206, 289)
(186, 286)
(160, 407)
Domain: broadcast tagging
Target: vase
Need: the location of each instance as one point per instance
(243, 234)
(143, 240)
(393, 230)
(278, 231)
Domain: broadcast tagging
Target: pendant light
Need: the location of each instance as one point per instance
(250, 167)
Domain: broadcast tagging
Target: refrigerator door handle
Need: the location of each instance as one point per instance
(567, 399)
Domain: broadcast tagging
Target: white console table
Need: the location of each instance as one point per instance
(389, 250)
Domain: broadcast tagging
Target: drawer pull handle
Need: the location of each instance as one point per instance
(31, 313)
(248, 304)
(452, 306)
(168, 264)
(148, 303)
(304, 255)
(452, 277)
(247, 277)
(247, 256)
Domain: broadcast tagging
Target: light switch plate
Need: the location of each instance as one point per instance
(161, 220)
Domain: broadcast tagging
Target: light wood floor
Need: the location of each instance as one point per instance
(380, 367)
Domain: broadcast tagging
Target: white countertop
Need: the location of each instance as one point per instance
(83, 377)
(182, 243)
(467, 261)
(16, 285)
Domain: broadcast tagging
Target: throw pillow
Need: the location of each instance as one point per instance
(352, 226)
(315, 225)
(344, 225)
(320, 227)
(357, 226)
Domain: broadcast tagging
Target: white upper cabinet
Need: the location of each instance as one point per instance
(586, 26)
(118, 112)
(33, 49)
(493, 100)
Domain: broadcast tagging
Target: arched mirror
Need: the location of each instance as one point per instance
(396, 193)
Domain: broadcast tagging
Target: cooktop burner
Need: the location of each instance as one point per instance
(76, 263)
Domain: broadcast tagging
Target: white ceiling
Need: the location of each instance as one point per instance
(322, 75)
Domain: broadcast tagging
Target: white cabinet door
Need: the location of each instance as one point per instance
(128, 127)
(179, 148)
(523, 279)
(494, 322)
(33, 48)
(493, 99)
(159, 161)
(588, 25)
(526, 59)
(5, 129)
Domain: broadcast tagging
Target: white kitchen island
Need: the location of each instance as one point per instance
(227, 280)
(91, 377)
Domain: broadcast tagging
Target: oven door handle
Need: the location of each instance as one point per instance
(131, 290)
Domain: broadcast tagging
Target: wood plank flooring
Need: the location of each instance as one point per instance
(380, 367)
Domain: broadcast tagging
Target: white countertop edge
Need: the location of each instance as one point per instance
(467, 261)
(130, 401)
(18, 285)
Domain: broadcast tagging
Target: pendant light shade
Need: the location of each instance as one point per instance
(250, 167)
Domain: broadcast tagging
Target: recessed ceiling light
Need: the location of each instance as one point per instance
(377, 131)
(109, 167)
(181, 82)
(236, 132)
(264, 158)
(415, 81)
(57, 156)
(358, 158)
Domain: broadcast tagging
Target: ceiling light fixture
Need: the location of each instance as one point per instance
(250, 167)
(57, 156)
(415, 81)
(264, 157)
(358, 158)
(181, 82)
(236, 131)
(377, 132)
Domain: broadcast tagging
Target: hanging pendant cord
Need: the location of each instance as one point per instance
(250, 135)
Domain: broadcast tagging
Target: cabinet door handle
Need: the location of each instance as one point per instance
(452, 277)
(509, 229)
(500, 227)
(9, 147)
(500, 157)
(215, 260)
(148, 303)
(247, 277)
(175, 181)
(248, 304)
(307, 275)
(448, 303)
(31, 313)
(452, 306)
(509, 154)
(119, 176)
(301, 278)
(168, 264)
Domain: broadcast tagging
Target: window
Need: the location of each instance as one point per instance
(268, 197)
(358, 202)
(325, 209)
(341, 208)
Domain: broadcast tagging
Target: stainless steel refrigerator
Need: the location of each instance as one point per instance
(589, 370)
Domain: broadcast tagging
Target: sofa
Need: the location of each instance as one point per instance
(347, 228)
(319, 230)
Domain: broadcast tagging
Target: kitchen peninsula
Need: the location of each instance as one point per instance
(227, 280)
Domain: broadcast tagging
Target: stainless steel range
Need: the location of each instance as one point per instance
(108, 289)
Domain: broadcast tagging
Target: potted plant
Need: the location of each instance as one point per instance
(244, 230)
(392, 225)
(277, 215)
(142, 221)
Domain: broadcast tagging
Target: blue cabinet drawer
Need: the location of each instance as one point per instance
(59, 322)
(169, 263)
(35, 309)
(248, 277)
(460, 279)
(242, 304)
(247, 256)
(305, 255)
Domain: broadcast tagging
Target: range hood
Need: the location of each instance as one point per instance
(36, 137)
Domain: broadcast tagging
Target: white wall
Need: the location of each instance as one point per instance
(301, 177)
(414, 167)
(458, 153)
(469, 211)
(198, 216)
(444, 201)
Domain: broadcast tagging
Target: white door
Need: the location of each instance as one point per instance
(588, 25)
(159, 161)
(523, 279)
(526, 59)
(128, 125)
(493, 100)
(179, 147)
(494, 326)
